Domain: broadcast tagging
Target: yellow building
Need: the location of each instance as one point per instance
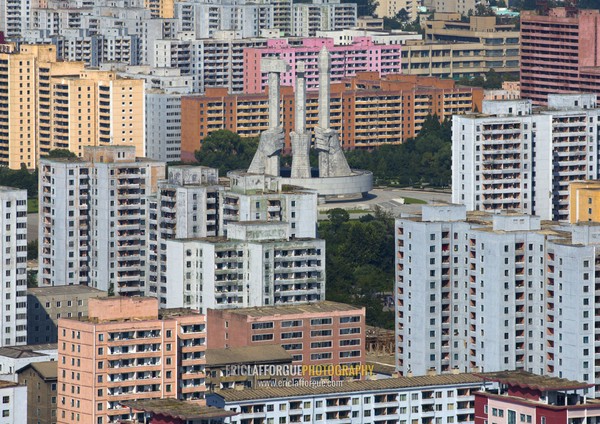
(584, 202)
(161, 8)
(47, 104)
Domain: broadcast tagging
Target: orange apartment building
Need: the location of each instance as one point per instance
(48, 104)
(127, 349)
(366, 110)
(323, 333)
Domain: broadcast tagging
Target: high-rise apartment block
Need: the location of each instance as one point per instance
(558, 52)
(258, 264)
(13, 266)
(93, 219)
(328, 15)
(356, 97)
(52, 104)
(510, 157)
(495, 292)
(14, 17)
(127, 349)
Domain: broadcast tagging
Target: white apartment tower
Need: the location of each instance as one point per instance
(510, 157)
(258, 264)
(93, 219)
(13, 266)
(495, 292)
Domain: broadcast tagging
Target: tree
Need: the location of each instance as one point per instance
(61, 153)
(32, 250)
(338, 216)
(226, 151)
(402, 16)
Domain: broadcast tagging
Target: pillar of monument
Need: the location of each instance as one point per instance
(300, 138)
(266, 158)
(324, 70)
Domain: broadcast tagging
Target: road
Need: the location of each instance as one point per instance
(390, 199)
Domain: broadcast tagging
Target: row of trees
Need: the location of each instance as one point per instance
(423, 161)
(360, 262)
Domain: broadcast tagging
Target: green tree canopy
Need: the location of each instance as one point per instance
(226, 151)
(61, 153)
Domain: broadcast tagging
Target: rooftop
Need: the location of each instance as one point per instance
(177, 409)
(320, 307)
(48, 370)
(350, 386)
(65, 290)
(533, 381)
(26, 351)
(246, 354)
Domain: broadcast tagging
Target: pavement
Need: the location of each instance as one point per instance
(389, 199)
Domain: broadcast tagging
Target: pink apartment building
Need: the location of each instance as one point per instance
(560, 53)
(361, 56)
(126, 349)
(324, 333)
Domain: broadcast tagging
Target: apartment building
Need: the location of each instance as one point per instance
(584, 198)
(127, 349)
(317, 334)
(391, 8)
(51, 104)
(161, 8)
(46, 305)
(13, 266)
(14, 402)
(320, 15)
(101, 242)
(534, 398)
(373, 107)
(14, 17)
(427, 399)
(462, 7)
(14, 358)
(557, 52)
(346, 60)
(40, 379)
(257, 264)
(494, 292)
(185, 205)
(510, 157)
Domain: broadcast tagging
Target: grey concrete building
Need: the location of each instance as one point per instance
(45, 305)
(494, 292)
(513, 157)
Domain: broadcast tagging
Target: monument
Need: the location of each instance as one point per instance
(333, 178)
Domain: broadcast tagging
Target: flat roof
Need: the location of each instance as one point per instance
(65, 290)
(177, 409)
(319, 307)
(533, 381)
(246, 354)
(350, 386)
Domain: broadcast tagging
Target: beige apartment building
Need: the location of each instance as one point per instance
(161, 8)
(127, 349)
(47, 104)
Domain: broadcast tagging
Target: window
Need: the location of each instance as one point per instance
(262, 325)
(262, 337)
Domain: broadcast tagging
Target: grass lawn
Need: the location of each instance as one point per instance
(411, 201)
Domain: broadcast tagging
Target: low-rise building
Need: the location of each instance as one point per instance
(41, 379)
(14, 358)
(319, 334)
(243, 367)
(515, 396)
(449, 398)
(584, 201)
(45, 305)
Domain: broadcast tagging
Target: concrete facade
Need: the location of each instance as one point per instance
(308, 18)
(127, 349)
(110, 186)
(511, 157)
(494, 292)
(46, 305)
(13, 266)
(584, 197)
(41, 380)
(14, 403)
(257, 265)
(14, 358)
